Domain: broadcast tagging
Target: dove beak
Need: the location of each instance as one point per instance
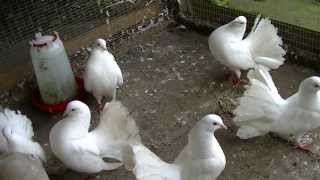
(223, 126)
(65, 113)
(2, 132)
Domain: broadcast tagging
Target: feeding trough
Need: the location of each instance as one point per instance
(56, 82)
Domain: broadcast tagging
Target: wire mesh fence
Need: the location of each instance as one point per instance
(19, 20)
(204, 15)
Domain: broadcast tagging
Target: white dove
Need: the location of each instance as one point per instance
(262, 45)
(16, 135)
(201, 159)
(263, 110)
(102, 75)
(83, 151)
(18, 166)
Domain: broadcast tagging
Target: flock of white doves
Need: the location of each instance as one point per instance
(261, 110)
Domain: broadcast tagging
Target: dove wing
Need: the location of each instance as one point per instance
(237, 55)
(117, 71)
(87, 144)
(183, 155)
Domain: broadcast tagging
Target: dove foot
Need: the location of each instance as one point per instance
(233, 79)
(99, 107)
(304, 147)
(304, 142)
(90, 177)
(237, 82)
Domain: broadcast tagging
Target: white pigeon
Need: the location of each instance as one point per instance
(18, 166)
(201, 159)
(263, 110)
(16, 134)
(83, 151)
(262, 45)
(102, 75)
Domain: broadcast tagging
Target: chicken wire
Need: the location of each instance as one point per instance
(203, 15)
(19, 20)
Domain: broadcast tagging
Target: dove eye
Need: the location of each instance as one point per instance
(33, 157)
(215, 123)
(316, 85)
(73, 109)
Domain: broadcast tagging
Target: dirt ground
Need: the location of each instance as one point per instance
(171, 81)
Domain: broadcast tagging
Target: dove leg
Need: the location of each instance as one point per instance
(90, 177)
(238, 74)
(99, 104)
(114, 94)
(231, 77)
(236, 80)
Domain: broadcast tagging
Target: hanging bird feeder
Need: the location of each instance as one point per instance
(56, 82)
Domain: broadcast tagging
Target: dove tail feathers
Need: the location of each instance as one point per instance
(265, 44)
(269, 63)
(259, 104)
(146, 165)
(16, 121)
(246, 132)
(21, 141)
(115, 120)
(111, 166)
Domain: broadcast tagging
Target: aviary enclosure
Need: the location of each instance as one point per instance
(170, 77)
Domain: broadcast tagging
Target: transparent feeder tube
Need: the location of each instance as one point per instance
(52, 68)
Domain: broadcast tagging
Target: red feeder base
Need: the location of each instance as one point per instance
(58, 107)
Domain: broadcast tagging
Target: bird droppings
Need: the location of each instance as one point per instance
(167, 97)
(201, 58)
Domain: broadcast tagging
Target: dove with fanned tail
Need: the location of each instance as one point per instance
(262, 46)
